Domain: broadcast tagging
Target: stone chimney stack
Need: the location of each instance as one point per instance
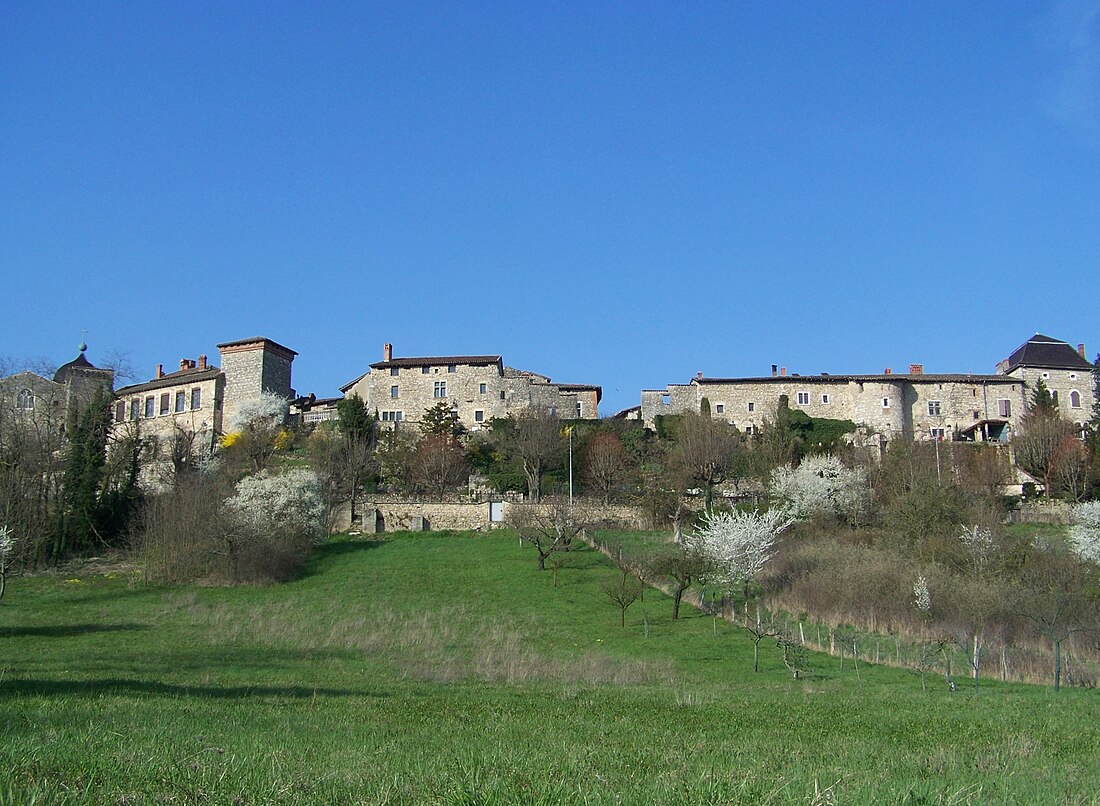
(387, 352)
(202, 362)
(699, 375)
(775, 370)
(183, 363)
(1081, 350)
(160, 370)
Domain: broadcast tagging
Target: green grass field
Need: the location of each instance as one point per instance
(445, 668)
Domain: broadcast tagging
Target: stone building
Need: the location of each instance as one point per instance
(30, 396)
(912, 405)
(196, 402)
(478, 387)
(1065, 371)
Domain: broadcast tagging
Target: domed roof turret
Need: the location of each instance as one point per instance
(78, 363)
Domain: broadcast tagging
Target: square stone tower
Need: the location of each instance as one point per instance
(251, 367)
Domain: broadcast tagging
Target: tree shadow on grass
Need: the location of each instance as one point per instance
(324, 556)
(67, 630)
(122, 685)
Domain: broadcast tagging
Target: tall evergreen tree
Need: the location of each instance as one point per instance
(81, 517)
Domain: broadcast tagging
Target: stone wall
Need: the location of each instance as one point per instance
(1064, 382)
(252, 368)
(388, 514)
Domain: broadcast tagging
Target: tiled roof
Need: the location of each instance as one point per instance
(256, 340)
(439, 360)
(1043, 351)
(180, 378)
(882, 378)
(581, 387)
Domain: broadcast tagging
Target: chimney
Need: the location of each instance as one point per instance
(782, 372)
(202, 362)
(387, 352)
(183, 363)
(775, 370)
(699, 375)
(888, 371)
(916, 369)
(1081, 350)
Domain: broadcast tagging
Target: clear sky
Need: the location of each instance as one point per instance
(612, 193)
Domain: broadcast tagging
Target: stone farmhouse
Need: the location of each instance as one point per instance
(30, 396)
(912, 405)
(198, 400)
(478, 387)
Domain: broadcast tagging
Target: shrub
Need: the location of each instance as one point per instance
(1084, 533)
(820, 485)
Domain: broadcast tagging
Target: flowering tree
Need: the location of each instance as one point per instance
(254, 427)
(7, 543)
(739, 544)
(291, 500)
(1084, 533)
(820, 485)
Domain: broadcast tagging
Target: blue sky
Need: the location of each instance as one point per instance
(621, 194)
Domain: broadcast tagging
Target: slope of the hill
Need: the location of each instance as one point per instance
(445, 668)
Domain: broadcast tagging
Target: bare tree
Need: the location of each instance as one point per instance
(707, 452)
(551, 526)
(1036, 445)
(535, 439)
(765, 625)
(1055, 599)
(681, 565)
(440, 463)
(606, 464)
(623, 590)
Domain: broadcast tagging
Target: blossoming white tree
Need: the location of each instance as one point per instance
(7, 543)
(290, 500)
(739, 543)
(1084, 533)
(820, 485)
(254, 427)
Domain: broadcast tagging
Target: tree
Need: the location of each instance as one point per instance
(623, 589)
(440, 463)
(1042, 430)
(441, 418)
(254, 428)
(739, 544)
(1042, 401)
(534, 438)
(820, 485)
(1084, 532)
(7, 543)
(681, 565)
(606, 464)
(396, 453)
(550, 527)
(1055, 599)
(766, 625)
(86, 459)
(706, 453)
(356, 422)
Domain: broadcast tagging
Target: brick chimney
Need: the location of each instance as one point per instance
(387, 352)
(782, 372)
(183, 363)
(160, 370)
(1081, 350)
(202, 362)
(775, 370)
(699, 375)
(916, 369)
(888, 371)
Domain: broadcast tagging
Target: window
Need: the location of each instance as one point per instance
(425, 370)
(452, 368)
(886, 402)
(440, 389)
(502, 395)
(934, 408)
(394, 392)
(1004, 408)
(825, 399)
(1046, 376)
(393, 416)
(803, 398)
(398, 416)
(196, 399)
(135, 409)
(749, 428)
(580, 409)
(181, 401)
(719, 408)
(1075, 399)
(479, 416)
(937, 434)
(395, 371)
(120, 411)
(150, 407)
(481, 388)
(1054, 396)
(752, 406)
(1073, 376)
(165, 403)
(24, 400)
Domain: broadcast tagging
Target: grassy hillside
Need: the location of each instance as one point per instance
(445, 669)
